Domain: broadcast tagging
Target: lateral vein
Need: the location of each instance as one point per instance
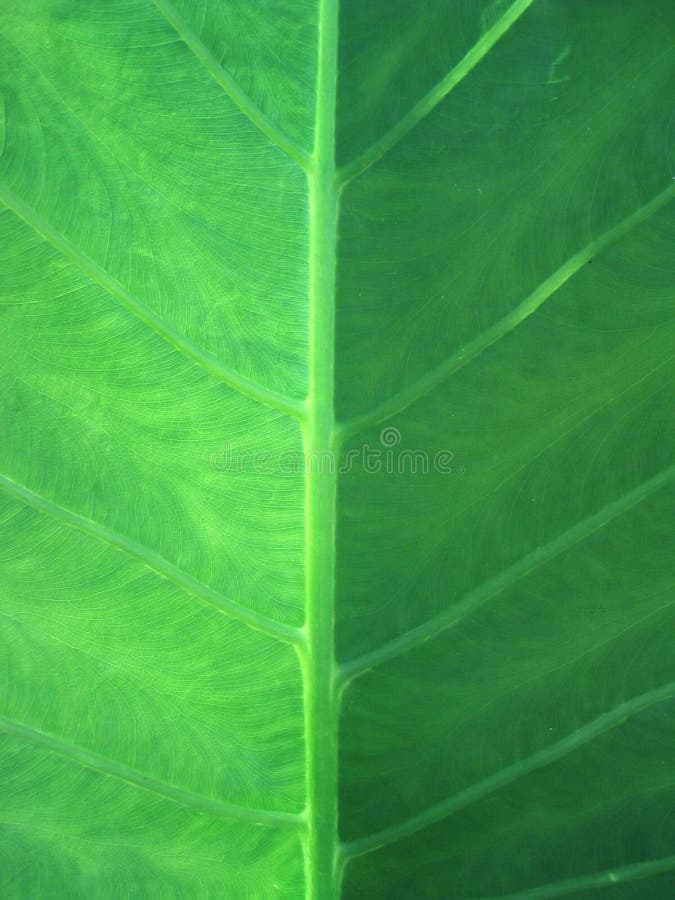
(147, 316)
(252, 112)
(155, 563)
(504, 580)
(607, 879)
(462, 357)
(465, 798)
(104, 766)
(437, 93)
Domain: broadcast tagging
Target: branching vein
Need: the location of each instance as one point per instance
(147, 316)
(595, 880)
(101, 764)
(274, 134)
(510, 774)
(154, 562)
(424, 106)
(504, 580)
(462, 357)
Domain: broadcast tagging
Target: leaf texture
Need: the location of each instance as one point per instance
(338, 458)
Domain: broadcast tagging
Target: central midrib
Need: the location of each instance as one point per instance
(318, 653)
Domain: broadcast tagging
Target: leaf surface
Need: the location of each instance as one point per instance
(338, 458)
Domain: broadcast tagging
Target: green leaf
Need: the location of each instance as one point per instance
(338, 458)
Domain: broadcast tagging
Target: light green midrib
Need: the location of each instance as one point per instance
(318, 653)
